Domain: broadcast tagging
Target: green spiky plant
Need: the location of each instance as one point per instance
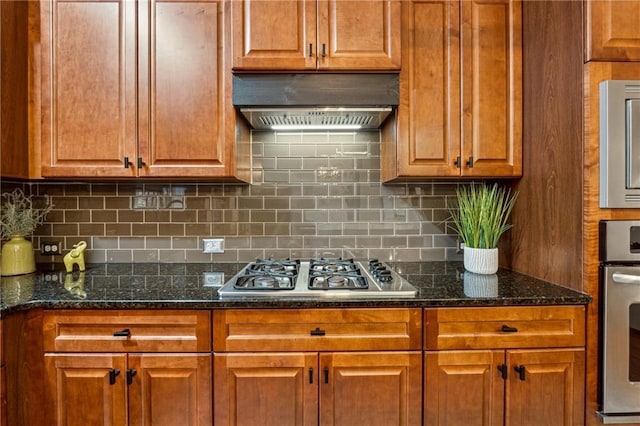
(482, 213)
(19, 216)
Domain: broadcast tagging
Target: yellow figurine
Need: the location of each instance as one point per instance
(75, 256)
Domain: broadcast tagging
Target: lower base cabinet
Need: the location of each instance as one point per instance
(127, 367)
(512, 366)
(133, 389)
(513, 387)
(310, 367)
(3, 395)
(349, 388)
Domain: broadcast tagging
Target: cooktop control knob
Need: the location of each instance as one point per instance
(385, 276)
(380, 271)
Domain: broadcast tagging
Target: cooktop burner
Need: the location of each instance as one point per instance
(331, 274)
(269, 275)
(340, 278)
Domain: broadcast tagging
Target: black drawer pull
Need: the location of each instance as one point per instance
(122, 333)
(310, 375)
(507, 329)
(326, 374)
(318, 332)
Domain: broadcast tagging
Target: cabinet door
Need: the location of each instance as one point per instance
(370, 388)
(426, 141)
(83, 389)
(612, 30)
(183, 85)
(270, 389)
(170, 389)
(88, 88)
(464, 388)
(549, 390)
(359, 34)
(274, 35)
(492, 88)
(3, 396)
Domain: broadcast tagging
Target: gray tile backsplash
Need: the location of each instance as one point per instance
(313, 194)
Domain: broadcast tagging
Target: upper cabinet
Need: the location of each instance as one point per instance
(612, 32)
(138, 89)
(460, 111)
(316, 34)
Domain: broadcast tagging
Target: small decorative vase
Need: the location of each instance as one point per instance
(18, 257)
(481, 261)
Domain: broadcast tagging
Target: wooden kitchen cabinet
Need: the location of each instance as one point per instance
(512, 366)
(3, 383)
(611, 30)
(322, 34)
(460, 111)
(138, 89)
(310, 367)
(148, 377)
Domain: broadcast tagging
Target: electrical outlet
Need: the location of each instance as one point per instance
(459, 246)
(213, 245)
(213, 279)
(50, 248)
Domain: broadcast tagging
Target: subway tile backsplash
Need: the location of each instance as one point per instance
(313, 194)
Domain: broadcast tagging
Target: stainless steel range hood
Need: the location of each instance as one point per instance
(315, 101)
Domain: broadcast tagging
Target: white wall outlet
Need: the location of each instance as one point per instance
(213, 279)
(51, 248)
(213, 245)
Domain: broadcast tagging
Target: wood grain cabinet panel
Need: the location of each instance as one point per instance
(95, 377)
(119, 389)
(138, 89)
(170, 389)
(612, 32)
(360, 366)
(511, 366)
(550, 389)
(270, 389)
(322, 34)
(83, 389)
(3, 395)
(126, 331)
(463, 388)
(370, 388)
(460, 111)
(262, 330)
(501, 327)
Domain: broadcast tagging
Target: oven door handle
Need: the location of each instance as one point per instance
(625, 278)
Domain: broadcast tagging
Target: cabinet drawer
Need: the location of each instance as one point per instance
(127, 331)
(502, 327)
(316, 329)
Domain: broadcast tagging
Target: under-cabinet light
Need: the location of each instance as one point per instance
(285, 127)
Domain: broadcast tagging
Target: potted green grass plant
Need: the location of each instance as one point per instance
(19, 217)
(480, 219)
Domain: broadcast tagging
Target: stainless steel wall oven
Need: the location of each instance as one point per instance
(620, 321)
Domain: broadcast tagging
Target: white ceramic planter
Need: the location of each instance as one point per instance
(481, 261)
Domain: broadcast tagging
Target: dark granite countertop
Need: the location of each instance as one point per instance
(181, 286)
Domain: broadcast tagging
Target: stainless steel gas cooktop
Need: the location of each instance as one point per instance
(317, 278)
